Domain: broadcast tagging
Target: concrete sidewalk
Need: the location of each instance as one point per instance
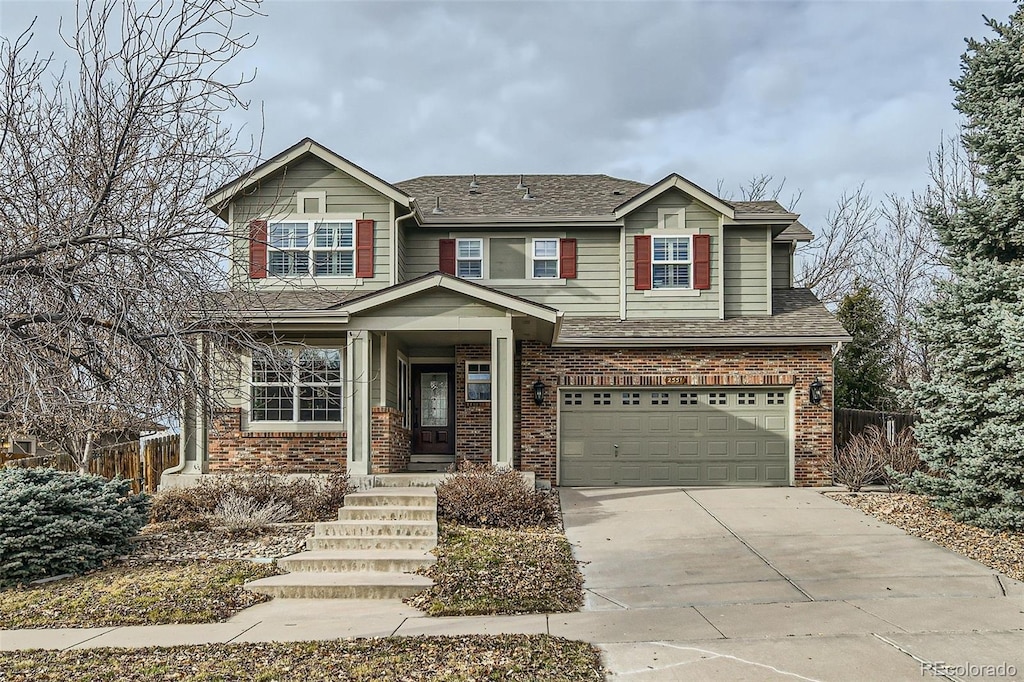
(777, 583)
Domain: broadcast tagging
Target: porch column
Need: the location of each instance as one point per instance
(357, 399)
(502, 395)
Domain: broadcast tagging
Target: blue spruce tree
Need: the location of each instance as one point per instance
(972, 407)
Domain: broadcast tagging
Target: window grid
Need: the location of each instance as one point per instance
(544, 254)
(297, 388)
(670, 262)
(478, 382)
(602, 398)
(469, 258)
(717, 399)
(630, 398)
(776, 399)
(687, 398)
(573, 398)
(746, 399)
(659, 399)
(308, 248)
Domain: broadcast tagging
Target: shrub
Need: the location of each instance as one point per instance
(901, 460)
(490, 497)
(55, 522)
(312, 498)
(241, 514)
(872, 456)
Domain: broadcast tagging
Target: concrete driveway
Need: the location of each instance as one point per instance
(779, 583)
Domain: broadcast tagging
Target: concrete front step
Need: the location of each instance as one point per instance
(355, 560)
(398, 497)
(364, 585)
(363, 528)
(404, 480)
(423, 543)
(387, 513)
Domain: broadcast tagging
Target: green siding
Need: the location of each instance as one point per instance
(699, 218)
(595, 291)
(746, 271)
(437, 303)
(781, 263)
(275, 197)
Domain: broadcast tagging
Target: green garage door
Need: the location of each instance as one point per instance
(707, 436)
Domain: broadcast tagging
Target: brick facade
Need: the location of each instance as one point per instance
(390, 442)
(233, 450)
(472, 420)
(784, 366)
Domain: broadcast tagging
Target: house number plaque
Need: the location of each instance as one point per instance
(674, 381)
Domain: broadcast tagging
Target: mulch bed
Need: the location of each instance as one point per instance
(398, 659)
(1003, 551)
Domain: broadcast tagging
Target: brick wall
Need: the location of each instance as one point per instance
(232, 450)
(697, 366)
(390, 442)
(472, 420)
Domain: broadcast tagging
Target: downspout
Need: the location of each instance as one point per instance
(394, 241)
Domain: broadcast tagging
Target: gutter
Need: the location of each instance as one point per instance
(646, 342)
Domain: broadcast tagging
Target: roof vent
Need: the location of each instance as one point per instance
(618, 192)
(528, 196)
(521, 185)
(437, 207)
(473, 184)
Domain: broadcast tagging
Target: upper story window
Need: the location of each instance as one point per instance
(469, 258)
(671, 260)
(310, 248)
(545, 258)
(297, 386)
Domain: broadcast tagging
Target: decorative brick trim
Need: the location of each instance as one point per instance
(234, 450)
(390, 442)
(676, 380)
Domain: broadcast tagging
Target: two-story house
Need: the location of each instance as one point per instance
(593, 330)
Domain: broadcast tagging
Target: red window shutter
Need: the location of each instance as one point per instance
(642, 262)
(364, 248)
(701, 261)
(446, 260)
(567, 258)
(258, 249)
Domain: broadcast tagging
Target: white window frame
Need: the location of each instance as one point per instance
(688, 262)
(404, 390)
(534, 258)
(297, 385)
(310, 249)
(482, 258)
(489, 382)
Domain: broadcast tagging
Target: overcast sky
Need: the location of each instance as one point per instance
(824, 94)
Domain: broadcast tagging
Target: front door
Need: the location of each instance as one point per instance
(433, 409)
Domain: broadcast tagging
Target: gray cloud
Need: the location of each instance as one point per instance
(828, 95)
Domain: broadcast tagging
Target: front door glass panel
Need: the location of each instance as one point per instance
(434, 399)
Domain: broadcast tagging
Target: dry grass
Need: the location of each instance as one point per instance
(490, 571)
(1003, 551)
(148, 594)
(527, 658)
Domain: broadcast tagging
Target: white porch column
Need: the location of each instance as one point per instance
(357, 402)
(502, 396)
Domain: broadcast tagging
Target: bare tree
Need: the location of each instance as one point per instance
(762, 187)
(952, 172)
(833, 260)
(112, 270)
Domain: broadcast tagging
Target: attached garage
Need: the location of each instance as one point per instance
(675, 436)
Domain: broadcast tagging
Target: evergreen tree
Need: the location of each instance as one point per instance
(972, 408)
(862, 371)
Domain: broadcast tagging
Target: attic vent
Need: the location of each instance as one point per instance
(473, 184)
(528, 196)
(521, 185)
(437, 206)
(618, 192)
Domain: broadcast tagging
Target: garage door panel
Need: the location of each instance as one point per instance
(710, 436)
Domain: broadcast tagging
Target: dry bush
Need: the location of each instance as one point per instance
(490, 497)
(240, 514)
(312, 498)
(901, 460)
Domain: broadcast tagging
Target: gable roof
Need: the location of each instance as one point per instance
(565, 196)
(674, 181)
(307, 146)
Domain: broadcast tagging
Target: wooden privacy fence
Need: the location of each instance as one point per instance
(142, 468)
(848, 423)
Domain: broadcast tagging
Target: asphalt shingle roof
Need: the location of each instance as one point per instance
(554, 195)
(796, 313)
